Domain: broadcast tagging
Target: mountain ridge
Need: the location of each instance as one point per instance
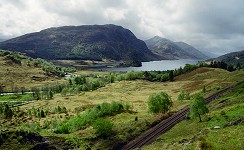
(232, 58)
(94, 42)
(173, 50)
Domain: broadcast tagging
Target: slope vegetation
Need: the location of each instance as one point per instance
(19, 72)
(234, 58)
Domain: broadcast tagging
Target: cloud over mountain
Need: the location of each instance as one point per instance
(211, 25)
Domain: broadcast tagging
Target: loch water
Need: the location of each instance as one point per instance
(153, 65)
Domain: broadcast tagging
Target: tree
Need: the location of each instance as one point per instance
(171, 75)
(230, 68)
(159, 102)
(198, 107)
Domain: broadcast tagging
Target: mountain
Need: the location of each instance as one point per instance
(210, 54)
(91, 42)
(1, 40)
(173, 50)
(191, 50)
(232, 58)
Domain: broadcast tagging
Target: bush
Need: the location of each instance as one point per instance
(159, 102)
(62, 129)
(6, 111)
(103, 127)
(90, 115)
(181, 96)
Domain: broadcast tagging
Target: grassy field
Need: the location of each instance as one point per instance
(134, 93)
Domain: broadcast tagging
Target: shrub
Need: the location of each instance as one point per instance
(64, 128)
(87, 118)
(103, 127)
(181, 96)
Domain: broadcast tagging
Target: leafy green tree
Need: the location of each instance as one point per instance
(164, 77)
(159, 102)
(103, 127)
(198, 107)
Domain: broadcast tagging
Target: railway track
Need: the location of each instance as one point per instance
(165, 125)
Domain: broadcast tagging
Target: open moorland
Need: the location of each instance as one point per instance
(105, 110)
(62, 113)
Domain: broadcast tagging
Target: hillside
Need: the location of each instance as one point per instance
(232, 58)
(173, 50)
(18, 71)
(87, 42)
(221, 128)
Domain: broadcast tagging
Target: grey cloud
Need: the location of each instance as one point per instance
(210, 25)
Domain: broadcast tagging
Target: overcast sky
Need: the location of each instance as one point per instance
(216, 26)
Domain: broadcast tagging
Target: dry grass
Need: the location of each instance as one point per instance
(18, 76)
(137, 92)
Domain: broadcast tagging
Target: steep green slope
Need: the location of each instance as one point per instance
(93, 42)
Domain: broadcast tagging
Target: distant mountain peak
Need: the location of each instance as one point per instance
(173, 50)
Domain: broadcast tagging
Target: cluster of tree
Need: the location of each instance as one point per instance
(15, 57)
(161, 103)
(131, 63)
(42, 93)
(48, 67)
(223, 65)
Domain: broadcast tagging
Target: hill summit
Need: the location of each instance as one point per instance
(91, 42)
(173, 50)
